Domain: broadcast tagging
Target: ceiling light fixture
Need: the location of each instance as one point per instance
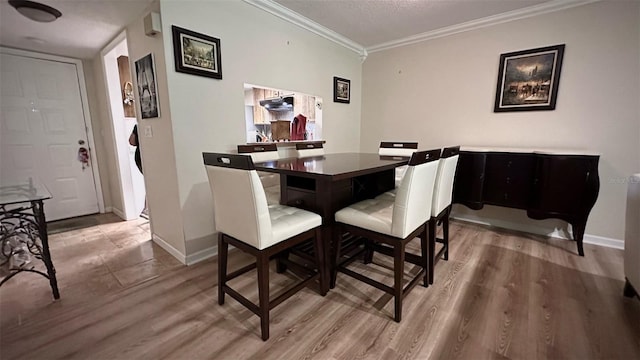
(35, 11)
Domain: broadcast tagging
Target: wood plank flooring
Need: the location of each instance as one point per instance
(501, 295)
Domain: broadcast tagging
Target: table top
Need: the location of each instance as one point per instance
(334, 166)
(20, 192)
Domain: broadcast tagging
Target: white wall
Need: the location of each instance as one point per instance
(208, 114)
(157, 152)
(441, 92)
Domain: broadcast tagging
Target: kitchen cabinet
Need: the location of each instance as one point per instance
(561, 185)
(259, 112)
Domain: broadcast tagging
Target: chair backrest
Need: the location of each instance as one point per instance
(260, 153)
(390, 148)
(239, 203)
(307, 149)
(410, 210)
(443, 192)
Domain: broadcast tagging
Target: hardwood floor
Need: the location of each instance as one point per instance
(501, 295)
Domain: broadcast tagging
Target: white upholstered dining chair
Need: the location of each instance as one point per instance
(244, 220)
(270, 181)
(397, 148)
(394, 223)
(307, 149)
(441, 206)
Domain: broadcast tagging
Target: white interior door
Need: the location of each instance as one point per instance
(42, 126)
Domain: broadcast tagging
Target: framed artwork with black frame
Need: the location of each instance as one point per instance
(196, 53)
(147, 87)
(341, 90)
(528, 80)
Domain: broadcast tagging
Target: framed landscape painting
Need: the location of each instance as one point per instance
(528, 79)
(341, 90)
(196, 53)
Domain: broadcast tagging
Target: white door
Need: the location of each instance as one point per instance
(42, 126)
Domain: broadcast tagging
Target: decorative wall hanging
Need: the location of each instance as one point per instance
(196, 54)
(341, 90)
(528, 79)
(147, 87)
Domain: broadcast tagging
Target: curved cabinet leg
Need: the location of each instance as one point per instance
(578, 234)
(629, 291)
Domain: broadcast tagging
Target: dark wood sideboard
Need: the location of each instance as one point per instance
(561, 185)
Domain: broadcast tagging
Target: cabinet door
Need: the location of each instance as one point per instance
(311, 108)
(258, 110)
(565, 186)
(508, 179)
(300, 105)
(469, 179)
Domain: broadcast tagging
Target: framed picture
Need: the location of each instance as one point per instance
(196, 54)
(341, 90)
(147, 87)
(528, 80)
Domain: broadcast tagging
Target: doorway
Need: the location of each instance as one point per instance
(45, 131)
(121, 105)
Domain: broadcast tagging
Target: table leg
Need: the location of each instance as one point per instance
(38, 212)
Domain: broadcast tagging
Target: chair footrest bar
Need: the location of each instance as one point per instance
(438, 255)
(242, 300)
(376, 284)
(439, 240)
(410, 258)
(413, 282)
(241, 271)
(290, 292)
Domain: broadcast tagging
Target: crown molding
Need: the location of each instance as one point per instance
(544, 8)
(284, 13)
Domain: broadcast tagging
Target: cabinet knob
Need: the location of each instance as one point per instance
(508, 180)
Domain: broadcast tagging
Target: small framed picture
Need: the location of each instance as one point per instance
(147, 87)
(528, 80)
(196, 53)
(341, 90)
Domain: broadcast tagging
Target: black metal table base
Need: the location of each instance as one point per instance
(27, 226)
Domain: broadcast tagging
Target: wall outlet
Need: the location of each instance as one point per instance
(148, 132)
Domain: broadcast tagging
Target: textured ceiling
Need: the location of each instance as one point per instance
(83, 30)
(374, 22)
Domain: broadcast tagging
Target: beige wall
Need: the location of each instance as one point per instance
(157, 152)
(441, 92)
(208, 114)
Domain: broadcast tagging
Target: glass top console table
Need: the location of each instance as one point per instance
(23, 232)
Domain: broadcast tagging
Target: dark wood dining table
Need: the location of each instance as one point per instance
(325, 184)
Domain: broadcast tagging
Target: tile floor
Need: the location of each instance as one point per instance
(90, 262)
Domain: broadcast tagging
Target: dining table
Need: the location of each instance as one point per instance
(327, 183)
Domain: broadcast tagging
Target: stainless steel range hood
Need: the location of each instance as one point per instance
(281, 103)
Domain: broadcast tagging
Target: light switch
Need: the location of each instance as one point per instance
(147, 131)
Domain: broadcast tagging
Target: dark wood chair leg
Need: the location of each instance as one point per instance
(398, 272)
(223, 251)
(262, 261)
(424, 250)
(368, 252)
(336, 239)
(318, 248)
(281, 267)
(432, 223)
(445, 236)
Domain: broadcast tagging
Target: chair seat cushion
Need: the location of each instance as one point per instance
(288, 221)
(372, 214)
(388, 196)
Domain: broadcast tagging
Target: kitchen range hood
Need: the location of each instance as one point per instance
(281, 103)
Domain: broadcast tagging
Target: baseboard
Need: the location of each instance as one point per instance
(119, 213)
(107, 209)
(530, 228)
(169, 248)
(201, 255)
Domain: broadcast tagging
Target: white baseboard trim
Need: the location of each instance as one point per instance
(107, 209)
(588, 239)
(201, 255)
(169, 248)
